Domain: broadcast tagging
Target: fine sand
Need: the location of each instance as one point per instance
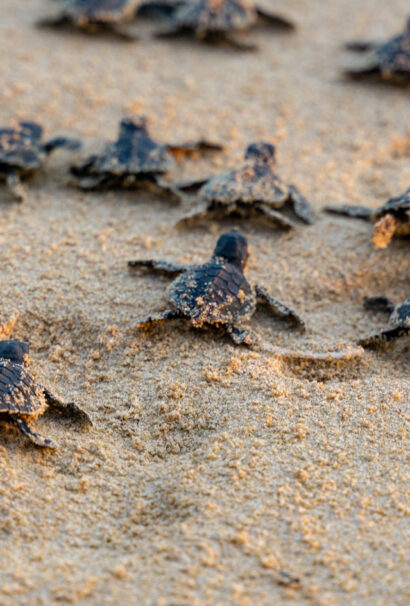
(213, 474)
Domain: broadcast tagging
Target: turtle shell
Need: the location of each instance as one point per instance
(215, 293)
(134, 153)
(250, 184)
(19, 393)
(21, 148)
(215, 16)
(401, 315)
(84, 12)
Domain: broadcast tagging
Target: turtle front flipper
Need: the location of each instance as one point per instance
(56, 21)
(15, 186)
(241, 336)
(160, 319)
(194, 146)
(365, 73)
(274, 20)
(163, 267)
(191, 185)
(379, 303)
(361, 46)
(347, 210)
(384, 337)
(69, 409)
(274, 216)
(27, 430)
(301, 206)
(278, 308)
(167, 188)
(63, 142)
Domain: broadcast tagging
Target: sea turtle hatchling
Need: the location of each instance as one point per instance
(95, 16)
(214, 20)
(392, 218)
(399, 321)
(251, 189)
(22, 399)
(388, 61)
(22, 152)
(134, 159)
(217, 292)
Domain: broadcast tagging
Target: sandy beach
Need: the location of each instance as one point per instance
(214, 475)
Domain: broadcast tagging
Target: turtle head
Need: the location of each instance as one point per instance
(260, 153)
(233, 247)
(15, 351)
(132, 125)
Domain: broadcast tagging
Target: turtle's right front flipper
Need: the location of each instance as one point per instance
(162, 267)
(356, 212)
(69, 409)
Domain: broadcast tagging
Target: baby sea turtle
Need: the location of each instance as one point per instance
(95, 16)
(22, 399)
(392, 218)
(22, 152)
(251, 189)
(388, 61)
(213, 20)
(133, 159)
(217, 292)
(399, 320)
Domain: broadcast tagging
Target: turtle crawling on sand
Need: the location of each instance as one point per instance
(399, 320)
(95, 16)
(388, 61)
(217, 292)
(214, 20)
(252, 189)
(22, 399)
(392, 218)
(22, 152)
(134, 159)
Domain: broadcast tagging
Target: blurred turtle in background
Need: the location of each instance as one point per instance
(22, 152)
(392, 218)
(214, 21)
(253, 189)
(216, 293)
(134, 159)
(388, 61)
(95, 16)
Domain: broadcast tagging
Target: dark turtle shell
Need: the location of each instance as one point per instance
(19, 393)
(215, 16)
(21, 147)
(86, 12)
(134, 153)
(254, 181)
(214, 293)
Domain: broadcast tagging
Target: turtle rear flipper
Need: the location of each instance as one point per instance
(35, 437)
(69, 409)
(384, 337)
(347, 210)
(301, 206)
(275, 20)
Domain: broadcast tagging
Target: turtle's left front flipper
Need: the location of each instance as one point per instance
(69, 409)
(278, 308)
(275, 20)
(62, 142)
